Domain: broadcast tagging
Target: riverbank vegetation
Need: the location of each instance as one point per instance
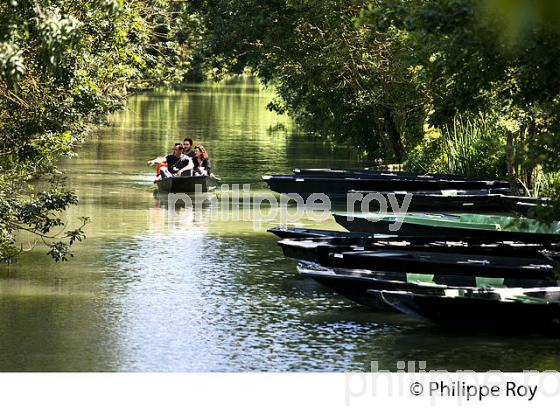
(64, 65)
(460, 86)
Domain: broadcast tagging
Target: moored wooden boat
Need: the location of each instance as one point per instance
(463, 201)
(296, 232)
(355, 284)
(496, 309)
(318, 250)
(337, 188)
(446, 263)
(467, 226)
(375, 173)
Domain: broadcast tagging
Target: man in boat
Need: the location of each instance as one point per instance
(187, 148)
(176, 164)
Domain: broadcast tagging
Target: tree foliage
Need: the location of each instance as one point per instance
(337, 79)
(64, 64)
(468, 86)
(392, 77)
(474, 59)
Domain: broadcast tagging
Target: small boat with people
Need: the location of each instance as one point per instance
(186, 184)
(186, 170)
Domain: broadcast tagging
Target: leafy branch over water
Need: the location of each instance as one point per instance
(65, 64)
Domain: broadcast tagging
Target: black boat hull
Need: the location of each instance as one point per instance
(184, 184)
(445, 263)
(319, 250)
(337, 188)
(313, 233)
(426, 202)
(373, 173)
(356, 285)
(475, 313)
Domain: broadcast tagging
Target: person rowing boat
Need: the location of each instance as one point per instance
(179, 173)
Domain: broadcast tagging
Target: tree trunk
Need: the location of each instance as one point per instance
(510, 160)
(393, 137)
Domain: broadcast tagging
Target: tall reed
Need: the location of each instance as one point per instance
(472, 147)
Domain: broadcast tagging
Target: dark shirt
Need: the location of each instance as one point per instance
(204, 164)
(190, 154)
(175, 164)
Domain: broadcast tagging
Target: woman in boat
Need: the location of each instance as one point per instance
(201, 162)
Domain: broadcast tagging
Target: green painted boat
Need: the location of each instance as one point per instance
(472, 226)
(355, 284)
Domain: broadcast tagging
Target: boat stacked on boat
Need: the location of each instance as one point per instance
(427, 192)
(461, 269)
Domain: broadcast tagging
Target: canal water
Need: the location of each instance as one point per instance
(159, 289)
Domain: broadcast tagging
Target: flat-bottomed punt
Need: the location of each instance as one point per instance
(503, 309)
(318, 250)
(446, 263)
(373, 173)
(449, 227)
(355, 284)
(480, 201)
(338, 187)
(184, 184)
